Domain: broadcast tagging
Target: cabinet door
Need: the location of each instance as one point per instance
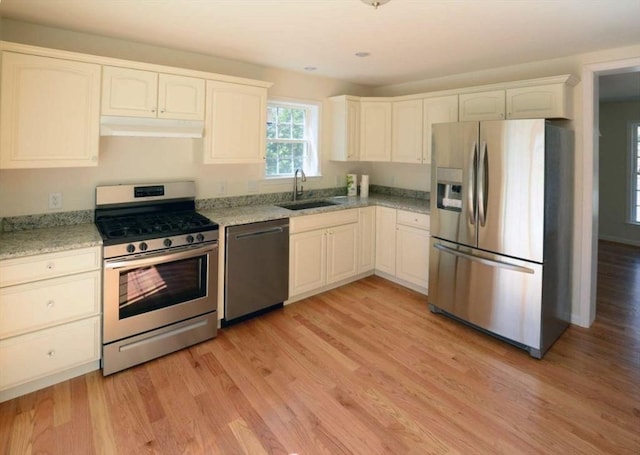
(346, 129)
(342, 259)
(407, 131)
(386, 240)
(129, 92)
(412, 256)
(308, 261)
(366, 239)
(50, 112)
(482, 106)
(375, 131)
(235, 123)
(547, 101)
(180, 97)
(442, 109)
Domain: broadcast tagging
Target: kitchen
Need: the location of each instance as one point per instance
(124, 157)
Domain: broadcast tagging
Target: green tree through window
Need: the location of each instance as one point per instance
(291, 139)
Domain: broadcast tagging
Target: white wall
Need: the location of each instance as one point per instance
(614, 171)
(122, 160)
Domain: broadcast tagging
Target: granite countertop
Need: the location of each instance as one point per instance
(230, 216)
(60, 238)
(48, 240)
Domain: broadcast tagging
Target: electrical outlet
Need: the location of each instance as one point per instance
(222, 188)
(55, 200)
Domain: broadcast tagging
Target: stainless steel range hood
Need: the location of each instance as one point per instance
(149, 127)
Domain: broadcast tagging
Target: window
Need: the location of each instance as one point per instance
(292, 139)
(634, 176)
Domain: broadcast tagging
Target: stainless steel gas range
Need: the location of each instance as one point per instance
(160, 272)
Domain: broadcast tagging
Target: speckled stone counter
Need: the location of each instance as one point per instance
(230, 216)
(48, 240)
(60, 238)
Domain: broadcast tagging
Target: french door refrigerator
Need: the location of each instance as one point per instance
(501, 228)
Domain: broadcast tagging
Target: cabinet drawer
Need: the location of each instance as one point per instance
(50, 265)
(418, 220)
(32, 356)
(45, 303)
(322, 220)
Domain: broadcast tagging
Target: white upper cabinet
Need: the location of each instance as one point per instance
(407, 131)
(346, 128)
(235, 127)
(137, 93)
(50, 112)
(482, 106)
(375, 131)
(441, 109)
(545, 101)
(180, 97)
(538, 98)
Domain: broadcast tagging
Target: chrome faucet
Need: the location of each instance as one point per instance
(303, 178)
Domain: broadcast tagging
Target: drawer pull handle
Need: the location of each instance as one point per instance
(51, 266)
(51, 354)
(51, 304)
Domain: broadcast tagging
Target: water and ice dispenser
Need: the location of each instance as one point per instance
(450, 186)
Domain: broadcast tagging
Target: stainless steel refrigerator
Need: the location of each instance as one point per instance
(501, 228)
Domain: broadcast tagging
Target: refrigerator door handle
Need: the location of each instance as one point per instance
(483, 189)
(489, 262)
(471, 194)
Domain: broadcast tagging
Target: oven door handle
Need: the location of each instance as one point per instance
(159, 258)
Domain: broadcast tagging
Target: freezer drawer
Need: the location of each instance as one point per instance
(496, 293)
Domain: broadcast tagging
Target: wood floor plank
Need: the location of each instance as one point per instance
(362, 369)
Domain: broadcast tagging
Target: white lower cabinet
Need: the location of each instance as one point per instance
(323, 249)
(412, 255)
(386, 240)
(49, 319)
(366, 239)
(402, 247)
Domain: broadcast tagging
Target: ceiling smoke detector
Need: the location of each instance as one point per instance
(374, 3)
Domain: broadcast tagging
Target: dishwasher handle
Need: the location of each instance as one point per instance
(252, 234)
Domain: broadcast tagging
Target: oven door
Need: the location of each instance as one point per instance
(149, 292)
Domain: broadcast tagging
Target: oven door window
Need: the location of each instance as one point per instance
(150, 288)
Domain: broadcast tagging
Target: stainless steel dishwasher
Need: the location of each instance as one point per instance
(257, 268)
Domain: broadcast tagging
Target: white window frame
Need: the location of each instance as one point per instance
(312, 161)
(634, 173)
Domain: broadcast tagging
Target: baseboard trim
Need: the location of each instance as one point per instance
(611, 238)
(23, 389)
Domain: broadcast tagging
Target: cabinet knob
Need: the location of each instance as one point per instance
(51, 266)
(51, 354)
(51, 304)
(153, 109)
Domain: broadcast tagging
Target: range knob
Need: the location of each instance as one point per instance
(189, 239)
(167, 242)
(130, 248)
(143, 246)
(200, 237)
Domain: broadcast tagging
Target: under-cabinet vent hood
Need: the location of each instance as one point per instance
(149, 127)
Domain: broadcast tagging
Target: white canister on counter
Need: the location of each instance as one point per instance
(364, 186)
(352, 184)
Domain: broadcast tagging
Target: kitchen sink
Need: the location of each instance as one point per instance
(306, 205)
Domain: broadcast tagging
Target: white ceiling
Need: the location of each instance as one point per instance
(407, 39)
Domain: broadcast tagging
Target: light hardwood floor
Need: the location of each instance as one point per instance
(364, 369)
